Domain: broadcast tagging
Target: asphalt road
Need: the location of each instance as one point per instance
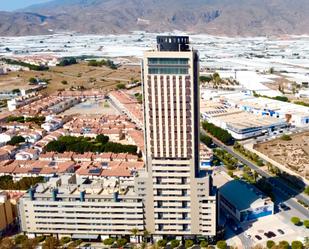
(282, 190)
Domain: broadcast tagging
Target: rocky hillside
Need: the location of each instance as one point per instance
(218, 17)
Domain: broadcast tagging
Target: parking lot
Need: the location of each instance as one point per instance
(276, 227)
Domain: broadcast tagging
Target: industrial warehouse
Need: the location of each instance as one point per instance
(240, 124)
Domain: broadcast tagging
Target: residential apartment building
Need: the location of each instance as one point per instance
(172, 196)
(82, 209)
(179, 197)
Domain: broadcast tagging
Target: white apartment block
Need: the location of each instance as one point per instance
(79, 208)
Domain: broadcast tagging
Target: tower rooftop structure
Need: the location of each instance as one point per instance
(173, 43)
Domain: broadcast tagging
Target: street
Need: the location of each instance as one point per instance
(281, 190)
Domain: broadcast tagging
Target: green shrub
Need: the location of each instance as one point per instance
(65, 240)
(203, 244)
(121, 242)
(285, 137)
(175, 243)
(108, 241)
(221, 244)
(40, 238)
(161, 243)
(284, 244)
(295, 221)
(306, 223)
(19, 239)
(297, 245)
(270, 243)
(188, 243)
(120, 86)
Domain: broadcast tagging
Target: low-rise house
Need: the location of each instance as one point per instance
(48, 156)
(119, 157)
(132, 158)
(102, 157)
(7, 136)
(63, 157)
(114, 134)
(28, 154)
(86, 157)
(31, 136)
(52, 125)
(4, 155)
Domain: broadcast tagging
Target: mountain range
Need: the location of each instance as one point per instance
(216, 17)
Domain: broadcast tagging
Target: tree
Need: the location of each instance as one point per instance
(16, 91)
(16, 140)
(270, 244)
(271, 70)
(67, 62)
(175, 243)
(51, 243)
(135, 233)
(285, 137)
(216, 78)
(206, 140)
(146, 235)
(161, 243)
(297, 245)
(221, 244)
(204, 78)
(307, 190)
(7, 243)
(29, 244)
(284, 244)
(33, 80)
(306, 223)
(295, 220)
(121, 242)
(65, 240)
(188, 243)
(120, 86)
(19, 239)
(203, 244)
(102, 139)
(64, 82)
(40, 238)
(108, 241)
(218, 133)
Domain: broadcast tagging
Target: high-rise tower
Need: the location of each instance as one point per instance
(178, 195)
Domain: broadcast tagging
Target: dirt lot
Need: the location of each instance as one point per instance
(76, 75)
(294, 154)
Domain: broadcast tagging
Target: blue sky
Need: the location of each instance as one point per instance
(9, 5)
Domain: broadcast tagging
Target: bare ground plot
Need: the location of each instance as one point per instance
(92, 107)
(293, 154)
(75, 75)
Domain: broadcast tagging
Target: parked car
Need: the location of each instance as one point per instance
(258, 237)
(280, 231)
(272, 234)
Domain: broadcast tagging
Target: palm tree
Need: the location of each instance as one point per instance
(135, 233)
(146, 235)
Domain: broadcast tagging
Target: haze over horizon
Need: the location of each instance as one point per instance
(12, 5)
